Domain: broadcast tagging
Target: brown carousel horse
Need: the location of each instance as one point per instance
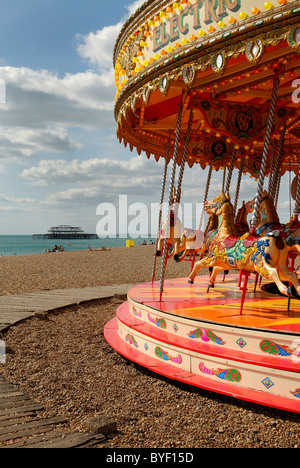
(266, 256)
(269, 221)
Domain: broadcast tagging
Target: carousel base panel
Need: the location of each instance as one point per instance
(201, 338)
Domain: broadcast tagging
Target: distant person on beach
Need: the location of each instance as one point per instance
(103, 249)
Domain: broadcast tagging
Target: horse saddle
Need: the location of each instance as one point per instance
(248, 241)
(230, 241)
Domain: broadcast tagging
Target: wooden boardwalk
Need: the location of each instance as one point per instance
(21, 425)
(14, 309)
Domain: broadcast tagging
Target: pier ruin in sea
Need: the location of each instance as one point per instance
(65, 232)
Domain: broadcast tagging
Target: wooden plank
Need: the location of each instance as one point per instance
(12, 394)
(14, 402)
(22, 414)
(31, 407)
(21, 434)
(70, 441)
(5, 383)
(13, 398)
(17, 411)
(17, 420)
(19, 307)
(32, 441)
(5, 386)
(32, 426)
(5, 301)
(15, 309)
(59, 440)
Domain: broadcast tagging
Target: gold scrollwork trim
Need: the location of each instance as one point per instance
(219, 63)
(164, 84)
(146, 93)
(188, 74)
(255, 50)
(293, 38)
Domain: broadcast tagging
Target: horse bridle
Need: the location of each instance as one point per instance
(221, 203)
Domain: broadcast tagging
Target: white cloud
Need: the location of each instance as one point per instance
(134, 6)
(97, 47)
(49, 113)
(74, 195)
(41, 106)
(80, 93)
(18, 204)
(49, 105)
(26, 142)
(5, 199)
(95, 180)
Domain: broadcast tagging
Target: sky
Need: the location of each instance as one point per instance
(59, 154)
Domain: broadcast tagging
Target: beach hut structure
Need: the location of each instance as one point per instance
(217, 84)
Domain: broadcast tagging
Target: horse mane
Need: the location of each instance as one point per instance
(212, 224)
(240, 217)
(241, 222)
(228, 220)
(270, 208)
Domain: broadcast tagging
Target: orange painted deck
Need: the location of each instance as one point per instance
(201, 338)
(222, 305)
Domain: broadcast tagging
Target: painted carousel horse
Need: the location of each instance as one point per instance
(192, 241)
(268, 219)
(174, 230)
(266, 256)
(269, 224)
(241, 218)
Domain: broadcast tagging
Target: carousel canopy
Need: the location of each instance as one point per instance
(221, 59)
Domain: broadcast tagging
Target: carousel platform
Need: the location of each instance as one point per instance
(203, 340)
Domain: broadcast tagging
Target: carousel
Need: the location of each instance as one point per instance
(214, 85)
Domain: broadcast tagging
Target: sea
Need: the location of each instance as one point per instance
(27, 245)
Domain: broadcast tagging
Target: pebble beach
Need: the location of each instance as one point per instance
(80, 269)
(65, 364)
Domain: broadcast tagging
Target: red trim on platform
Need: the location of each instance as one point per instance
(149, 331)
(112, 337)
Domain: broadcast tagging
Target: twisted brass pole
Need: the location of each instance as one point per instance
(230, 171)
(161, 207)
(276, 169)
(186, 147)
(164, 257)
(297, 200)
(262, 174)
(237, 193)
(205, 196)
